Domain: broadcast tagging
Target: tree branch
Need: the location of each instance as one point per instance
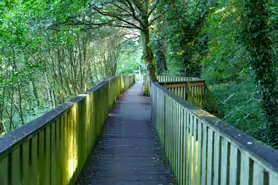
(152, 21)
(117, 17)
(133, 13)
(154, 7)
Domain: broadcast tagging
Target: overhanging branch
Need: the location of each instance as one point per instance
(116, 16)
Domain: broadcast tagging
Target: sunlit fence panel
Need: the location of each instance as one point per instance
(203, 150)
(53, 148)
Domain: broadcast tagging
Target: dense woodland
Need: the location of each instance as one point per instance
(52, 50)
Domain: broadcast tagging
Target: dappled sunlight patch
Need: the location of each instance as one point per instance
(84, 95)
(220, 10)
(204, 114)
(114, 115)
(71, 145)
(194, 158)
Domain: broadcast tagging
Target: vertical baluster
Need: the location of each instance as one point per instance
(194, 120)
(216, 160)
(54, 156)
(273, 179)
(63, 149)
(210, 157)
(47, 155)
(178, 143)
(174, 126)
(173, 144)
(165, 122)
(164, 119)
(180, 160)
(200, 144)
(26, 173)
(258, 174)
(186, 155)
(224, 162)
(171, 133)
(41, 159)
(182, 93)
(234, 167)
(244, 169)
(4, 170)
(167, 127)
(16, 166)
(204, 155)
(190, 149)
(182, 146)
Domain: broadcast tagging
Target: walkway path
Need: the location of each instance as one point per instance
(129, 153)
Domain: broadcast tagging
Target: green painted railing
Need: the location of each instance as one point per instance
(195, 92)
(163, 79)
(176, 79)
(204, 150)
(192, 89)
(53, 148)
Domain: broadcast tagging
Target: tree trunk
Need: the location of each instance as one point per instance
(2, 104)
(148, 54)
(35, 92)
(161, 58)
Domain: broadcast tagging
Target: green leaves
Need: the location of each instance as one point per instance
(180, 31)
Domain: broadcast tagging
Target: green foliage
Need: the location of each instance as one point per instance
(52, 50)
(240, 103)
(226, 59)
(256, 36)
(159, 49)
(240, 48)
(44, 60)
(130, 59)
(183, 47)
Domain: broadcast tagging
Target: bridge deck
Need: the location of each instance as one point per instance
(128, 153)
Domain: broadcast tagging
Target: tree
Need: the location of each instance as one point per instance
(43, 64)
(132, 14)
(256, 38)
(179, 32)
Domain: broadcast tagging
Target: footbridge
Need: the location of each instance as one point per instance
(113, 135)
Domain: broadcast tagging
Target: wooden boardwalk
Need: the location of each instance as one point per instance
(129, 152)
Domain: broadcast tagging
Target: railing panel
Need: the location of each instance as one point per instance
(203, 150)
(174, 78)
(53, 148)
(196, 92)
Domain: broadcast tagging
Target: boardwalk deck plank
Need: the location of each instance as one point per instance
(129, 152)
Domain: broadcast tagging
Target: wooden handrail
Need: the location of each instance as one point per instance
(169, 79)
(176, 79)
(202, 149)
(195, 92)
(53, 148)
